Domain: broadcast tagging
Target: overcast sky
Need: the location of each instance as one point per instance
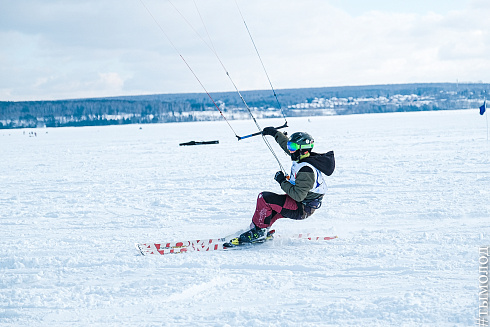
(54, 49)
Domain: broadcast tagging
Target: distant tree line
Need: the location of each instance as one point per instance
(288, 97)
(90, 112)
(193, 106)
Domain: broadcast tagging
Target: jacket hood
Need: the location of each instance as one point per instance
(324, 162)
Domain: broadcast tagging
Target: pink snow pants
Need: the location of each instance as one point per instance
(271, 207)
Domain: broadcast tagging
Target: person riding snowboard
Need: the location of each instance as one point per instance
(304, 188)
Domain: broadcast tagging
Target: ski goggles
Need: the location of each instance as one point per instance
(295, 146)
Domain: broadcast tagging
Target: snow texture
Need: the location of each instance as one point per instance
(409, 201)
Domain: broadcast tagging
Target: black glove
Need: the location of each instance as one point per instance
(272, 131)
(280, 177)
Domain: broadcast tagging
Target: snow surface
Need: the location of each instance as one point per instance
(409, 201)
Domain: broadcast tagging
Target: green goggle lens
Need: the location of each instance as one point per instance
(294, 146)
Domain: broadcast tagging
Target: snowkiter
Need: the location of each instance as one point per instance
(304, 187)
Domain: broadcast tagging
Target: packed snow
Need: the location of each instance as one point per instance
(409, 201)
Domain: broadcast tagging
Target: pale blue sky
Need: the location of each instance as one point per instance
(357, 7)
(86, 48)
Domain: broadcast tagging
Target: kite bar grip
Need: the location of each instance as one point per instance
(259, 133)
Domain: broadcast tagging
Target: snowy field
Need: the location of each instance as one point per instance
(409, 200)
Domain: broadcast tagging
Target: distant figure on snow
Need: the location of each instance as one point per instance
(304, 188)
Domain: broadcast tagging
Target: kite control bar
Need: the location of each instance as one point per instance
(259, 133)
